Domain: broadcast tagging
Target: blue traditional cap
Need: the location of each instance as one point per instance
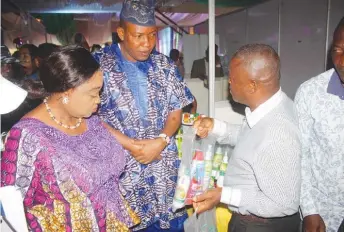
(140, 12)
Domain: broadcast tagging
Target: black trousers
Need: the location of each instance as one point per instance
(240, 223)
(341, 228)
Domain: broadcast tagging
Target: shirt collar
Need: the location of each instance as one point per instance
(335, 86)
(254, 117)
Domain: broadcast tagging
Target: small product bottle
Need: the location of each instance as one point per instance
(218, 156)
(223, 168)
(182, 188)
(197, 176)
(208, 165)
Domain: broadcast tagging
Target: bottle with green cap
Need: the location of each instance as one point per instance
(222, 172)
(218, 156)
(208, 165)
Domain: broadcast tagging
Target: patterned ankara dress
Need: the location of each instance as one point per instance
(141, 113)
(69, 183)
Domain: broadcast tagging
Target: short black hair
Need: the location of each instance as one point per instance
(174, 54)
(216, 48)
(67, 68)
(33, 50)
(340, 25)
(250, 55)
(79, 38)
(16, 54)
(115, 38)
(45, 49)
(95, 47)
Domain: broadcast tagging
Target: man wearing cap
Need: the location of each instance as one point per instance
(142, 98)
(10, 68)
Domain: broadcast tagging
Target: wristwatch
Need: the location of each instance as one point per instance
(165, 137)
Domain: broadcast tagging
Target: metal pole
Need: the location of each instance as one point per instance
(211, 24)
(327, 31)
(171, 21)
(279, 27)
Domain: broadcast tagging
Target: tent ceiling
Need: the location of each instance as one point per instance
(183, 12)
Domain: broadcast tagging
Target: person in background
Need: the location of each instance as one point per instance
(44, 51)
(200, 67)
(143, 97)
(16, 55)
(95, 48)
(18, 42)
(10, 67)
(175, 55)
(79, 39)
(28, 54)
(115, 38)
(320, 105)
(262, 182)
(65, 161)
(13, 72)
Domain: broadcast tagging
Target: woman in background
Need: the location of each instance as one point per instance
(62, 158)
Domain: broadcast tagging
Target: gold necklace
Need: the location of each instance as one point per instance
(57, 121)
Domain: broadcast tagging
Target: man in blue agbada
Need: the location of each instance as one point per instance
(142, 98)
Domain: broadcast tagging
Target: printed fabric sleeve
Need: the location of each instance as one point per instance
(107, 104)
(18, 159)
(277, 171)
(308, 191)
(179, 94)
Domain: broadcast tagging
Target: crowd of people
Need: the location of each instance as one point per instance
(92, 147)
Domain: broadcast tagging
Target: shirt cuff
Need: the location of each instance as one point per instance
(219, 128)
(230, 196)
(308, 210)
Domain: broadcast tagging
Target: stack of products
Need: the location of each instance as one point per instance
(200, 169)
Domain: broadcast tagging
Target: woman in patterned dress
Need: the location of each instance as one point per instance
(62, 158)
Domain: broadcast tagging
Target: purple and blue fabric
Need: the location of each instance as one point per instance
(149, 189)
(68, 183)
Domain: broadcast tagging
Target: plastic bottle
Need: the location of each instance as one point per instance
(182, 187)
(223, 168)
(197, 176)
(208, 165)
(184, 172)
(217, 162)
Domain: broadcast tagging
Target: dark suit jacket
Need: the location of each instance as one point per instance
(199, 70)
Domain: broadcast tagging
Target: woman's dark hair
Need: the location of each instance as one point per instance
(45, 49)
(67, 68)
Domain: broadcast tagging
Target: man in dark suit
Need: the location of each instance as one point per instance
(200, 67)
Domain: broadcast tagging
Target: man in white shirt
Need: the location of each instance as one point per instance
(262, 182)
(320, 107)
